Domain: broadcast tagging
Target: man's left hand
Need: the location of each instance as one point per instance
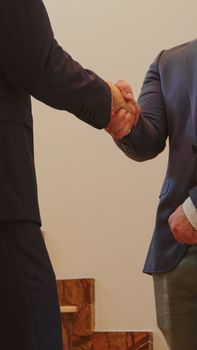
(181, 228)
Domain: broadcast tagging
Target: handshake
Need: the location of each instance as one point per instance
(125, 110)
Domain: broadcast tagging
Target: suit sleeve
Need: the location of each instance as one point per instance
(148, 138)
(32, 60)
(193, 195)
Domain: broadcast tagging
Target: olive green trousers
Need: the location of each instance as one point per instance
(176, 303)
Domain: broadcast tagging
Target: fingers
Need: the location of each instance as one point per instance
(181, 229)
(122, 132)
(119, 120)
(118, 100)
(190, 238)
(121, 124)
(118, 123)
(125, 89)
(127, 93)
(125, 110)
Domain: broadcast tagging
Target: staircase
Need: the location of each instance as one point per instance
(77, 304)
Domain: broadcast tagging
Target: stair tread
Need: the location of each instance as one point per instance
(68, 309)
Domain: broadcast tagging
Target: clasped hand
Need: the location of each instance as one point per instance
(181, 228)
(125, 110)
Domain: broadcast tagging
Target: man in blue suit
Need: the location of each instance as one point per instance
(168, 102)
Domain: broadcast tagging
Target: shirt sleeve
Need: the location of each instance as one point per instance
(191, 212)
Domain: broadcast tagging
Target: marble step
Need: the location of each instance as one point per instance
(68, 309)
(77, 301)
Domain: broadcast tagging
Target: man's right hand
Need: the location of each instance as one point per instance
(125, 110)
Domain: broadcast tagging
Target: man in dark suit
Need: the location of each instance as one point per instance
(33, 63)
(168, 102)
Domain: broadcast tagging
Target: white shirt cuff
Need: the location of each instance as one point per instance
(191, 212)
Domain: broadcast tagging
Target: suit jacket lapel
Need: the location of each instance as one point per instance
(191, 76)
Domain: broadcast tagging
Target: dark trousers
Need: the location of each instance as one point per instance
(29, 310)
(176, 303)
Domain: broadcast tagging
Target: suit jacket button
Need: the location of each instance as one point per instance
(125, 147)
(194, 148)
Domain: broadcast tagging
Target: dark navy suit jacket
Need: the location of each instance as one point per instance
(168, 101)
(33, 64)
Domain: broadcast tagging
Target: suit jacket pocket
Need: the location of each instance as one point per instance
(165, 187)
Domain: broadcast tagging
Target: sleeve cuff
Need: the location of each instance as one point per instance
(190, 212)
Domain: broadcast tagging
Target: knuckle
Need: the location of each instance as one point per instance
(175, 230)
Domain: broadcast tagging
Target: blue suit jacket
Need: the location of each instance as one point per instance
(168, 101)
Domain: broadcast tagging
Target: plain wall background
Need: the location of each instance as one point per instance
(98, 207)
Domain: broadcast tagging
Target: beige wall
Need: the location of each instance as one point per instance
(98, 207)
